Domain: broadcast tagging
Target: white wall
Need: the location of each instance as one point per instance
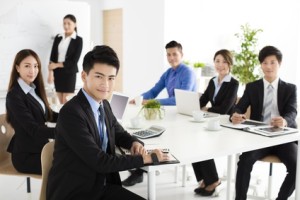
(143, 53)
(205, 26)
(33, 24)
(202, 26)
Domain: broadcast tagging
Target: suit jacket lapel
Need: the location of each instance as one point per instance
(70, 48)
(221, 91)
(261, 95)
(87, 109)
(108, 125)
(36, 103)
(280, 95)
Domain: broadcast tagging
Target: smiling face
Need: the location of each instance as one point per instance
(100, 81)
(69, 26)
(174, 56)
(270, 67)
(28, 69)
(221, 65)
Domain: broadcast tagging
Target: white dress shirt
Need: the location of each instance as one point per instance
(64, 45)
(31, 90)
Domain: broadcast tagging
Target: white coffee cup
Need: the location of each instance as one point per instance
(138, 100)
(213, 124)
(198, 115)
(136, 122)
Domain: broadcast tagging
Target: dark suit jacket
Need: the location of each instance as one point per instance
(225, 99)
(80, 166)
(28, 119)
(72, 56)
(254, 96)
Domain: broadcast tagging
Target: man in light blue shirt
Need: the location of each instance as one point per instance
(178, 76)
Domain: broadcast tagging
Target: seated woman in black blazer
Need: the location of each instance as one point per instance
(221, 92)
(27, 111)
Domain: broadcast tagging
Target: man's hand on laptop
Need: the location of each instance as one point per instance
(156, 156)
(137, 149)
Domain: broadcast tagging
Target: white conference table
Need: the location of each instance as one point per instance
(190, 142)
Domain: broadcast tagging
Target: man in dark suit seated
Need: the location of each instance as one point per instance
(272, 101)
(85, 165)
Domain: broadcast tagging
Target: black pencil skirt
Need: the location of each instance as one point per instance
(64, 82)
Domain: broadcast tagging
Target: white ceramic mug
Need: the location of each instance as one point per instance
(138, 100)
(213, 124)
(136, 122)
(198, 115)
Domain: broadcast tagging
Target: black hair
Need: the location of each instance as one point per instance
(227, 55)
(100, 54)
(173, 44)
(269, 51)
(72, 18)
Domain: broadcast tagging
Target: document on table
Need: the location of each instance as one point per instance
(260, 128)
(271, 131)
(246, 124)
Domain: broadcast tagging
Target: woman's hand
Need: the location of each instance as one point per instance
(53, 65)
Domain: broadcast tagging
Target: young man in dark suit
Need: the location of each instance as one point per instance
(85, 165)
(272, 101)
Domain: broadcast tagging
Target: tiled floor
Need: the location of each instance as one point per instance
(14, 188)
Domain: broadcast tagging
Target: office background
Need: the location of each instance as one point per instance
(201, 26)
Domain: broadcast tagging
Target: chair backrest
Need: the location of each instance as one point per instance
(46, 158)
(6, 133)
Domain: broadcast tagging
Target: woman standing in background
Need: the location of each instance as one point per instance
(64, 56)
(28, 110)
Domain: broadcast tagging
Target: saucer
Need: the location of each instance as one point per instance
(219, 128)
(197, 121)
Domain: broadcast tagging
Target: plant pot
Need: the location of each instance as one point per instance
(151, 113)
(198, 72)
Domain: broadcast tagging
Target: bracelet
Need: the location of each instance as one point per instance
(154, 158)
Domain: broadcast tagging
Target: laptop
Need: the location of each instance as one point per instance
(187, 101)
(118, 104)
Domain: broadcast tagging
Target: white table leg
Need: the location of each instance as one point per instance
(176, 174)
(184, 175)
(151, 185)
(229, 176)
(297, 189)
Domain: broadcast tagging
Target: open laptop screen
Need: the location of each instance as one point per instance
(118, 104)
(187, 101)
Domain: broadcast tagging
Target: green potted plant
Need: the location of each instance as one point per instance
(152, 110)
(246, 60)
(186, 62)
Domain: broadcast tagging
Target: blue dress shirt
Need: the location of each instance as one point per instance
(185, 79)
(95, 106)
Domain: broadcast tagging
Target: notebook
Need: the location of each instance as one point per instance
(187, 101)
(118, 104)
